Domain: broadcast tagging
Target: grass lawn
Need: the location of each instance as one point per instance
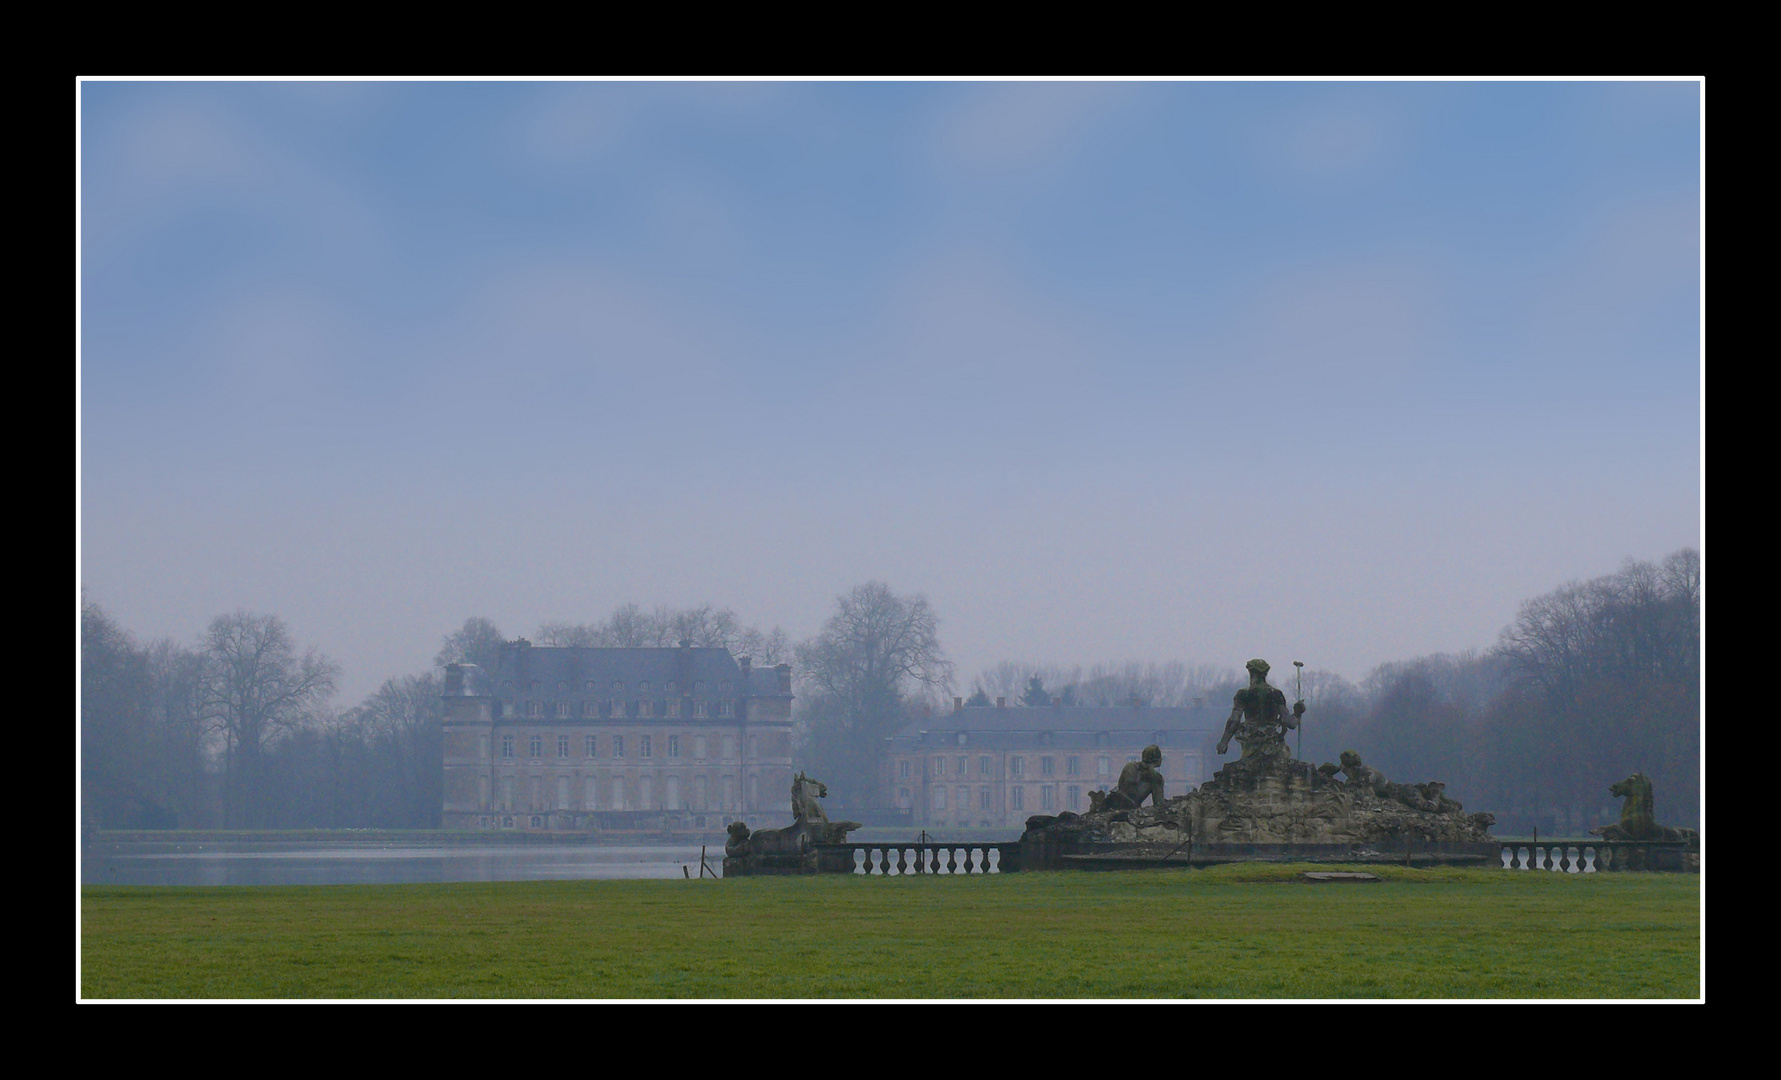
(1250, 931)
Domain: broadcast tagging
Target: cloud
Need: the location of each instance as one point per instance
(1333, 140)
(1024, 125)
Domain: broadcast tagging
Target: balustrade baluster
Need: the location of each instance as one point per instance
(952, 860)
(884, 864)
(1521, 858)
(1508, 855)
(994, 863)
(854, 860)
(1573, 860)
(902, 861)
(1588, 859)
(934, 860)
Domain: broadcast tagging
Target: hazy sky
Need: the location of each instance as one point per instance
(1339, 372)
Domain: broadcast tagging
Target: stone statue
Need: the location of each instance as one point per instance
(1638, 816)
(1427, 797)
(1259, 716)
(790, 850)
(1139, 780)
(807, 810)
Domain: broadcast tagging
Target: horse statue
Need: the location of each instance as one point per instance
(787, 850)
(1638, 815)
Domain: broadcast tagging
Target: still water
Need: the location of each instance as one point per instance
(379, 864)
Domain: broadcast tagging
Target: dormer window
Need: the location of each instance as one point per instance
(668, 688)
(643, 687)
(534, 686)
(562, 688)
(724, 687)
(618, 684)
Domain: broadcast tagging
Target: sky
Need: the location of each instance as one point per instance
(1340, 372)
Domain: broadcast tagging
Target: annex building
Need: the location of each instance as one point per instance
(596, 738)
(996, 766)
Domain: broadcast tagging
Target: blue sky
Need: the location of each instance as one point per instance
(1191, 371)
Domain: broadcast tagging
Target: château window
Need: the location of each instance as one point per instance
(643, 707)
(562, 710)
(939, 798)
(962, 766)
(506, 746)
(1018, 766)
(903, 769)
(726, 708)
(673, 748)
(699, 747)
(1045, 766)
(534, 708)
(983, 798)
(536, 745)
(618, 748)
(984, 768)
(939, 766)
(1073, 766)
(671, 708)
(701, 710)
(618, 707)
(643, 745)
(1103, 767)
(1045, 798)
(1017, 798)
(563, 749)
(1074, 795)
(593, 750)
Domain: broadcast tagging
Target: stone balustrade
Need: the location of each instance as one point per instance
(889, 859)
(1595, 856)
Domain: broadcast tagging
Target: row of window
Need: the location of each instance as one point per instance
(618, 686)
(616, 745)
(1017, 798)
(670, 708)
(615, 793)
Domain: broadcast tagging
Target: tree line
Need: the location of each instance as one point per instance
(1591, 682)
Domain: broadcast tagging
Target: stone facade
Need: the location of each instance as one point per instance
(616, 739)
(996, 766)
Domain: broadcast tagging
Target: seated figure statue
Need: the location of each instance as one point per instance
(1259, 717)
(1139, 780)
(1638, 816)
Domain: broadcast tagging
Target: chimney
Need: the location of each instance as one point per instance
(686, 643)
(958, 703)
(785, 677)
(454, 679)
(927, 711)
(747, 663)
(1057, 701)
(1001, 703)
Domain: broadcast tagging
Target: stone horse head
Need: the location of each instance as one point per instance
(805, 793)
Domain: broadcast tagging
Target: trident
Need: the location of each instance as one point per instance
(1299, 673)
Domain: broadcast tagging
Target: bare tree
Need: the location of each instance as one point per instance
(255, 688)
(876, 651)
(478, 642)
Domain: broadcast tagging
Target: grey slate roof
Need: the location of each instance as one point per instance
(573, 668)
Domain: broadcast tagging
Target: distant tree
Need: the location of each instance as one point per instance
(877, 650)
(1035, 694)
(978, 700)
(254, 689)
(630, 627)
(477, 642)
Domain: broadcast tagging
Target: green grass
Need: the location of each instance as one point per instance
(1248, 931)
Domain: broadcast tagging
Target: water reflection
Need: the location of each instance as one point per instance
(378, 864)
